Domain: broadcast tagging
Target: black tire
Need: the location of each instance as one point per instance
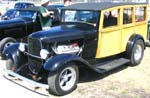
(137, 52)
(58, 83)
(5, 43)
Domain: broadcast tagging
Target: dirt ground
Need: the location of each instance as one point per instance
(124, 82)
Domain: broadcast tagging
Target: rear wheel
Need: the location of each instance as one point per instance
(65, 81)
(137, 53)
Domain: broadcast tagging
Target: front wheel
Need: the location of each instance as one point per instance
(65, 81)
(137, 53)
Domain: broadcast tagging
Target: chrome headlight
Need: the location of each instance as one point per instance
(22, 47)
(44, 53)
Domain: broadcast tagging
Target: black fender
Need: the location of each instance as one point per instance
(13, 53)
(131, 43)
(58, 62)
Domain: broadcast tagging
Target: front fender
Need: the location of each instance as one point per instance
(59, 62)
(13, 53)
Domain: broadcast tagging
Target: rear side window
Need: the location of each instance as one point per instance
(139, 14)
(127, 15)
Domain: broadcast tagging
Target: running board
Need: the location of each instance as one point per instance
(29, 81)
(102, 68)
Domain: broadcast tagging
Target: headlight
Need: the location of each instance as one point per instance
(22, 47)
(44, 53)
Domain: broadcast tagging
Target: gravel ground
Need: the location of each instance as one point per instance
(124, 82)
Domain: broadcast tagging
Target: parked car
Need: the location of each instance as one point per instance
(21, 23)
(23, 5)
(92, 35)
(9, 14)
(56, 6)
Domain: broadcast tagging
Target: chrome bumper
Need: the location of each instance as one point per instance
(11, 75)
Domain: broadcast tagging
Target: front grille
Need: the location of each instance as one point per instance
(35, 64)
(34, 46)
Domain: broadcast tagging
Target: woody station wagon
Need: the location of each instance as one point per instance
(100, 36)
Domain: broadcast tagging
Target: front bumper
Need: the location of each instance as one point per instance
(11, 75)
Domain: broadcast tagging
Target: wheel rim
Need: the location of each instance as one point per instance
(8, 44)
(138, 52)
(67, 78)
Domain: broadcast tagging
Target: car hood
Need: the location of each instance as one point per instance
(64, 31)
(15, 22)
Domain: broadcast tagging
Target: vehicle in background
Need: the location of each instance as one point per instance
(99, 36)
(16, 26)
(12, 13)
(57, 10)
(23, 5)
(56, 6)
(9, 14)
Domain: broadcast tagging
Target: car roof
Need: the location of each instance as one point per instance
(97, 6)
(24, 3)
(35, 8)
(55, 6)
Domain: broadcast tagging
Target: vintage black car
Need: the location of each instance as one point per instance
(21, 22)
(9, 14)
(92, 35)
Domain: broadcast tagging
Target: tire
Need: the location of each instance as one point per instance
(137, 53)
(5, 43)
(65, 81)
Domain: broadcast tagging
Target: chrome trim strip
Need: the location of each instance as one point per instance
(38, 57)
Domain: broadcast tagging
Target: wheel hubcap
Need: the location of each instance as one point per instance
(138, 52)
(67, 78)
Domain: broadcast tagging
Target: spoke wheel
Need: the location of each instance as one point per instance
(67, 78)
(64, 81)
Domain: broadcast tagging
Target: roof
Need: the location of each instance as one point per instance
(36, 8)
(97, 6)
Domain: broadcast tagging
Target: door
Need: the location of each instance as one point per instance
(109, 38)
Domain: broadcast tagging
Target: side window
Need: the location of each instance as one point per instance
(127, 15)
(69, 15)
(139, 14)
(110, 18)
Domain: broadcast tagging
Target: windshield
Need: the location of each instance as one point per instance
(80, 16)
(31, 14)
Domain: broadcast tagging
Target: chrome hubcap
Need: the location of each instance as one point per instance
(138, 52)
(67, 78)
